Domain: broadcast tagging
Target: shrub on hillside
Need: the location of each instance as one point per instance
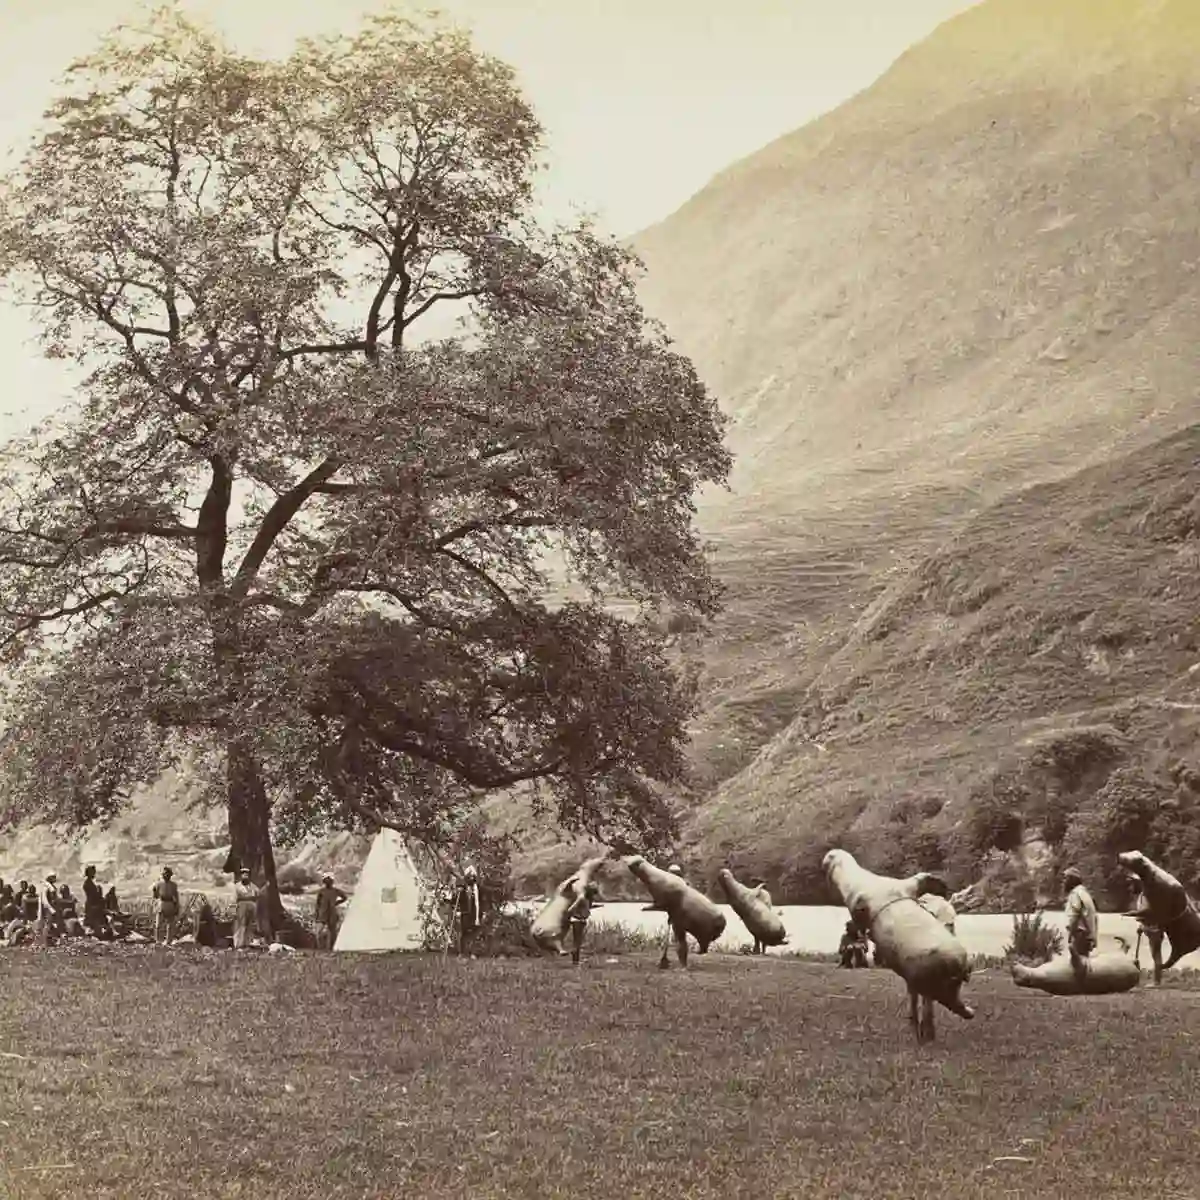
(1006, 883)
(292, 878)
(1067, 766)
(1122, 815)
(995, 814)
(1033, 940)
(1175, 839)
(684, 622)
(903, 841)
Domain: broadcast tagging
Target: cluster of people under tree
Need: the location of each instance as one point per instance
(51, 913)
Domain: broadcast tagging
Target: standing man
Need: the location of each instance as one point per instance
(674, 934)
(95, 919)
(1081, 921)
(245, 897)
(166, 907)
(468, 909)
(28, 902)
(578, 915)
(48, 909)
(1146, 928)
(760, 893)
(329, 917)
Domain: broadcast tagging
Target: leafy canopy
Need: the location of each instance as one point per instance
(280, 524)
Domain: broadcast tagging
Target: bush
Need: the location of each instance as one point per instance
(684, 622)
(615, 937)
(995, 820)
(502, 935)
(1033, 941)
(292, 878)
(1120, 816)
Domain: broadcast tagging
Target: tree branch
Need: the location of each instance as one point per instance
(30, 621)
(509, 520)
(481, 575)
(474, 776)
(405, 601)
(276, 520)
(437, 298)
(132, 525)
(356, 346)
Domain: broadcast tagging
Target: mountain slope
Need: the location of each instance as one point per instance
(1067, 609)
(976, 276)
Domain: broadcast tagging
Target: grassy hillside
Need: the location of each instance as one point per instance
(987, 699)
(941, 317)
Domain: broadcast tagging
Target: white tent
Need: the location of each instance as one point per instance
(384, 913)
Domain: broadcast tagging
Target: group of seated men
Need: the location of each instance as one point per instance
(52, 912)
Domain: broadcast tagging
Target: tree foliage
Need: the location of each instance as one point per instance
(282, 533)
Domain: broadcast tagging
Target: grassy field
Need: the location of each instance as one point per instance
(208, 1076)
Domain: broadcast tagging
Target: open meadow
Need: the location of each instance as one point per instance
(138, 1072)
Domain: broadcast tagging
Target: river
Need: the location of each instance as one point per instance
(818, 929)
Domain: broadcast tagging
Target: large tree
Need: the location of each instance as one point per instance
(281, 534)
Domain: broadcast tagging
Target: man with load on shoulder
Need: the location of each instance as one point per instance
(761, 894)
(673, 934)
(578, 915)
(933, 895)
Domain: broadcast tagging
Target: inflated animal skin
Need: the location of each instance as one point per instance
(908, 939)
(690, 911)
(1098, 975)
(759, 918)
(1166, 903)
(550, 926)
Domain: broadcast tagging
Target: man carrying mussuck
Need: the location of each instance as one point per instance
(578, 915)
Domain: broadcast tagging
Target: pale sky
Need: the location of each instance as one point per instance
(643, 101)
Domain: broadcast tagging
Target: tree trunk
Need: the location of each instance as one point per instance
(250, 830)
